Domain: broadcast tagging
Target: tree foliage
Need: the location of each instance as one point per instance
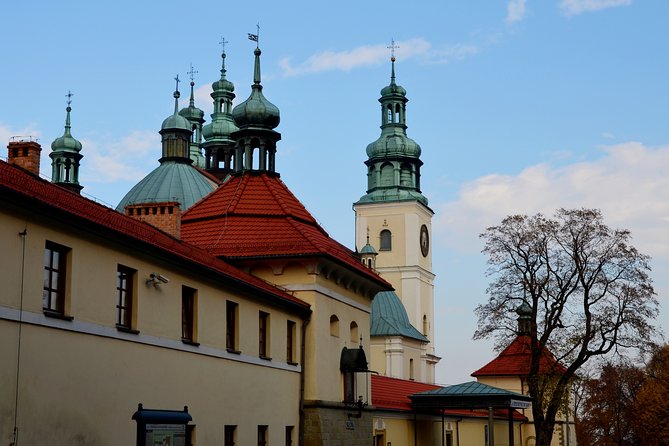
(626, 405)
(588, 288)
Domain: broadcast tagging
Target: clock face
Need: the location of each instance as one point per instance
(424, 241)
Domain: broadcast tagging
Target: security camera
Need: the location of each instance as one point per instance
(155, 278)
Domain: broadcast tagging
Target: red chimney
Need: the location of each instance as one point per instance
(24, 152)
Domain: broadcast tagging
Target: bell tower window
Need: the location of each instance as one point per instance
(386, 240)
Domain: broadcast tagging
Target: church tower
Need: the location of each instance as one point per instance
(398, 219)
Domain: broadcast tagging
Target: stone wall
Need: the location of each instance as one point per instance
(332, 426)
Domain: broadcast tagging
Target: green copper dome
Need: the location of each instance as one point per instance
(176, 121)
(393, 160)
(192, 113)
(222, 123)
(256, 111)
(66, 143)
(368, 249)
(171, 181)
(389, 318)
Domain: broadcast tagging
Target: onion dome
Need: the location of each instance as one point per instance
(222, 123)
(66, 143)
(389, 318)
(256, 111)
(176, 121)
(192, 113)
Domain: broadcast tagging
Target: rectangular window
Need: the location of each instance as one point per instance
(231, 318)
(230, 435)
(290, 342)
(262, 435)
(55, 271)
(188, 320)
(263, 334)
(289, 435)
(125, 281)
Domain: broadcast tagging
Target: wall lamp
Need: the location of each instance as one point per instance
(156, 279)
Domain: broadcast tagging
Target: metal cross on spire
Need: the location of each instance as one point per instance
(177, 79)
(392, 48)
(69, 97)
(222, 43)
(192, 72)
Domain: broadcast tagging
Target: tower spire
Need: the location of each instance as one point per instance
(65, 155)
(392, 48)
(195, 117)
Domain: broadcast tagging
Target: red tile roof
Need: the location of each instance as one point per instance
(255, 215)
(515, 359)
(32, 188)
(393, 394)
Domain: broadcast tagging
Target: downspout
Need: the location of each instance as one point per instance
(415, 429)
(300, 440)
(23, 235)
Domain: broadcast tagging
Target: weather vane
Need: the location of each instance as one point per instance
(255, 36)
(69, 97)
(392, 47)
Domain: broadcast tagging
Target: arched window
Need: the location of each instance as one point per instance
(354, 332)
(425, 325)
(334, 326)
(387, 175)
(411, 369)
(405, 175)
(386, 241)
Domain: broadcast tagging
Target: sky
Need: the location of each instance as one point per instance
(520, 106)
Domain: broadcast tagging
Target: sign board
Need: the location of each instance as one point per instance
(165, 435)
(517, 404)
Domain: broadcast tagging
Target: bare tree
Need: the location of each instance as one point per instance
(588, 289)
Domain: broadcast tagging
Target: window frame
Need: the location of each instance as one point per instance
(385, 240)
(54, 294)
(128, 276)
(230, 435)
(263, 335)
(263, 431)
(232, 326)
(291, 330)
(189, 315)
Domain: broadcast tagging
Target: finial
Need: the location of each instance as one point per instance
(192, 74)
(68, 109)
(255, 37)
(176, 96)
(69, 98)
(222, 43)
(392, 47)
(256, 68)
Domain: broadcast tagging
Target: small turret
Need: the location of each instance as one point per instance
(65, 156)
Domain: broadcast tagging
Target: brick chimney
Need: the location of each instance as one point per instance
(165, 216)
(24, 152)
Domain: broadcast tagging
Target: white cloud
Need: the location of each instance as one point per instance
(117, 159)
(576, 7)
(374, 54)
(628, 183)
(515, 11)
(6, 133)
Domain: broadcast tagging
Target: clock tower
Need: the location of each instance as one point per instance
(395, 219)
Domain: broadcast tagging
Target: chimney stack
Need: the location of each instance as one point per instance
(24, 152)
(164, 216)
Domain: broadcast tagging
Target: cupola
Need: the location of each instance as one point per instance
(393, 164)
(256, 138)
(219, 147)
(176, 132)
(65, 156)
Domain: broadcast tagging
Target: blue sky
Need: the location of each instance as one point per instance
(519, 106)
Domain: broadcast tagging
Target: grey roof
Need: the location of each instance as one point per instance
(470, 395)
(389, 317)
(171, 181)
(471, 388)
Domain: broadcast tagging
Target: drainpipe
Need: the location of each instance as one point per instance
(303, 342)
